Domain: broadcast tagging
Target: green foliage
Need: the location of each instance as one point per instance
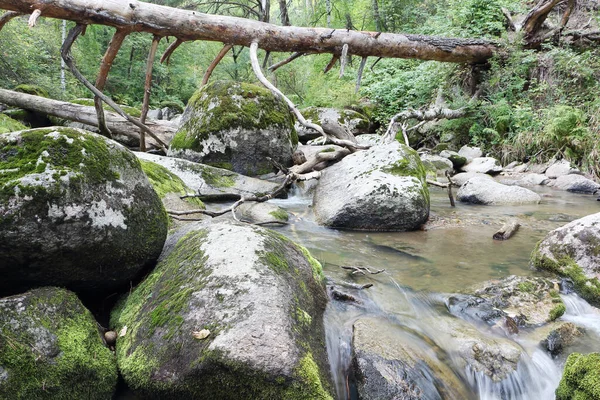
(8, 124)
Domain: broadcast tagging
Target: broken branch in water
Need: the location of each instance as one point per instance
(507, 230)
(361, 270)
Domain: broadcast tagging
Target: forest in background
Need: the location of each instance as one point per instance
(533, 104)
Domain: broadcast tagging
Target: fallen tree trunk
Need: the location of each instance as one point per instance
(136, 16)
(507, 230)
(86, 115)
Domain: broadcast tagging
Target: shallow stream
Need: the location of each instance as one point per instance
(454, 253)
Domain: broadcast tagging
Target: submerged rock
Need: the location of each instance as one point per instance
(231, 311)
(50, 348)
(389, 363)
(236, 126)
(581, 378)
(479, 190)
(383, 188)
(573, 251)
(76, 210)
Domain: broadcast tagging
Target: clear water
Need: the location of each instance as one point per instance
(457, 254)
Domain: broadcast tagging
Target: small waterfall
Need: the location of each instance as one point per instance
(535, 378)
(581, 313)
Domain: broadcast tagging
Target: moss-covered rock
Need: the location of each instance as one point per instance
(573, 251)
(581, 378)
(76, 210)
(261, 213)
(50, 348)
(165, 182)
(132, 111)
(32, 89)
(231, 311)
(7, 124)
(236, 126)
(383, 188)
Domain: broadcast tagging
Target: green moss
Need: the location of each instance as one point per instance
(527, 287)
(79, 367)
(174, 105)
(581, 378)
(328, 150)
(316, 266)
(557, 312)
(17, 114)
(566, 267)
(132, 111)
(8, 124)
(276, 261)
(222, 106)
(61, 149)
(280, 215)
(303, 317)
(164, 181)
(217, 178)
(32, 89)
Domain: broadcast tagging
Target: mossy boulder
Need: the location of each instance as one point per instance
(236, 126)
(76, 210)
(573, 251)
(169, 186)
(383, 189)
(200, 178)
(7, 124)
(232, 311)
(262, 213)
(581, 378)
(50, 348)
(390, 363)
(31, 89)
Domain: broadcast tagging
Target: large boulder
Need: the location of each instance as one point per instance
(576, 184)
(462, 178)
(456, 159)
(390, 363)
(200, 178)
(50, 348)
(236, 126)
(438, 165)
(337, 122)
(573, 251)
(470, 153)
(479, 190)
(483, 165)
(581, 378)
(7, 124)
(231, 311)
(76, 210)
(383, 188)
(561, 168)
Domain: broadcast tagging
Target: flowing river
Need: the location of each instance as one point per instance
(421, 268)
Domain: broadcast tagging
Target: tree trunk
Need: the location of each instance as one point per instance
(86, 115)
(189, 25)
(283, 13)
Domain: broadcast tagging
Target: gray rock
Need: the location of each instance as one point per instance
(370, 139)
(76, 210)
(521, 168)
(383, 188)
(537, 168)
(437, 164)
(561, 338)
(155, 114)
(526, 180)
(478, 190)
(205, 179)
(463, 177)
(456, 159)
(236, 126)
(470, 153)
(168, 113)
(561, 168)
(390, 363)
(260, 213)
(50, 348)
(483, 165)
(573, 251)
(231, 311)
(334, 121)
(576, 184)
